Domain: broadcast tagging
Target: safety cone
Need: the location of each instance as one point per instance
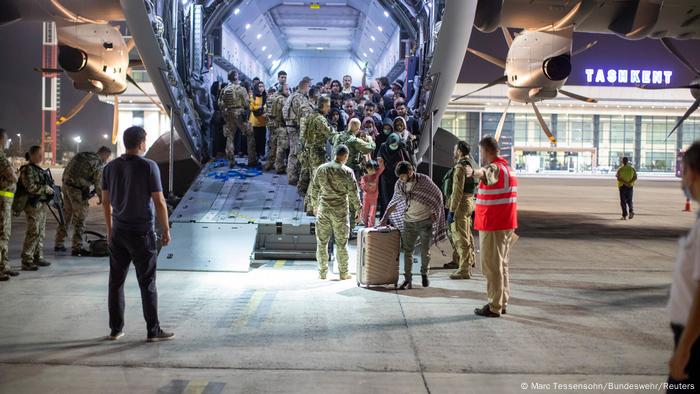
(687, 205)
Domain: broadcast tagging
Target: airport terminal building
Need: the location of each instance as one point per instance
(592, 138)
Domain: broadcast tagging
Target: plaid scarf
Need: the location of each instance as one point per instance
(425, 192)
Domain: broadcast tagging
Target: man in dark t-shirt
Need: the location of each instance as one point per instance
(132, 198)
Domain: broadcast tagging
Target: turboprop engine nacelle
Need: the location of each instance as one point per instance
(95, 57)
(538, 63)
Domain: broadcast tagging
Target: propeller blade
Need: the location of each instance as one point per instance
(115, 120)
(507, 35)
(74, 111)
(648, 87)
(668, 44)
(584, 49)
(131, 80)
(685, 116)
(577, 96)
(501, 122)
(491, 59)
(543, 124)
(48, 70)
(500, 80)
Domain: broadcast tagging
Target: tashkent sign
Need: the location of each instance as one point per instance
(627, 76)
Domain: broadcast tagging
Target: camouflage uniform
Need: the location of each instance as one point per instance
(278, 133)
(82, 172)
(461, 203)
(358, 147)
(34, 182)
(8, 184)
(234, 102)
(314, 138)
(296, 109)
(332, 189)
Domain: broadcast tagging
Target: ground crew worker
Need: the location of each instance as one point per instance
(626, 177)
(314, 139)
(358, 147)
(82, 173)
(333, 190)
(8, 184)
(278, 133)
(296, 107)
(234, 102)
(35, 192)
(496, 220)
(459, 195)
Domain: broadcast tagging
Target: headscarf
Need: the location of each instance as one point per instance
(371, 121)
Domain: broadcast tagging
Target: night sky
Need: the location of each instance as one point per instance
(20, 45)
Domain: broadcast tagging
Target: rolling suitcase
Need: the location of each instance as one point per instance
(378, 256)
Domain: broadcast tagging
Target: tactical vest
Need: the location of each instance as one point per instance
(469, 183)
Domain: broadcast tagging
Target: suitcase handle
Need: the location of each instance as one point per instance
(384, 229)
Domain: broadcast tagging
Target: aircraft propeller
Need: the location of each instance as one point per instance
(694, 86)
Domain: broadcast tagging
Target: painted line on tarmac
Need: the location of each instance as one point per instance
(280, 263)
(263, 310)
(239, 303)
(199, 386)
(252, 305)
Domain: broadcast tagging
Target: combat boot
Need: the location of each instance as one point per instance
(59, 248)
(460, 275)
(322, 275)
(29, 267)
(345, 276)
(11, 273)
(40, 262)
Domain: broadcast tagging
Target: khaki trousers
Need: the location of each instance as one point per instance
(495, 252)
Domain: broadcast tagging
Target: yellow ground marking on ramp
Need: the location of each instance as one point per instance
(196, 387)
(252, 306)
(280, 263)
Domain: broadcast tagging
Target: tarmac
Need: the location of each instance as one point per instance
(587, 314)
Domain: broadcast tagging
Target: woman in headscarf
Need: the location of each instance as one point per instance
(368, 126)
(257, 118)
(407, 138)
(391, 153)
(336, 120)
(387, 129)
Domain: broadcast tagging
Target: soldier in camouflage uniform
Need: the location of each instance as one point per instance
(35, 190)
(82, 172)
(332, 190)
(234, 102)
(8, 184)
(314, 138)
(296, 109)
(358, 145)
(278, 133)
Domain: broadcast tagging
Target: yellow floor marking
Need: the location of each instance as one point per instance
(280, 263)
(252, 306)
(196, 387)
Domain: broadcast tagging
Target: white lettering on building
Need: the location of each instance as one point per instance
(628, 76)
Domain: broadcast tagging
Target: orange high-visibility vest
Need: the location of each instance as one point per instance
(497, 204)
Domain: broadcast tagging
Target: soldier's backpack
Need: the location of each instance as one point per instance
(98, 247)
(21, 196)
(469, 183)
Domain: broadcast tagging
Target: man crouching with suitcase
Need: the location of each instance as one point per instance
(334, 189)
(416, 210)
